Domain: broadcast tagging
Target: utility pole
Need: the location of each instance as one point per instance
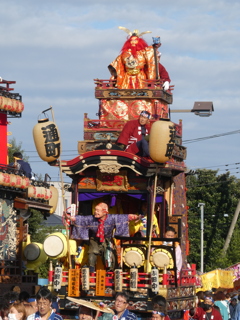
(231, 229)
(201, 205)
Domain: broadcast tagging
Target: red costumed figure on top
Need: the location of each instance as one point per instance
(136, 63)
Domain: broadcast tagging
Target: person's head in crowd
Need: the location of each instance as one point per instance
(208, 293)
(33, 302)
(159, 304)
(199, 298)
(219, 296)
(208, 304)
(11, 296)
(44, 301)
(17, 311)
(157, 315)
(23, 297)
(200, 295)
(227, 297)
(86, 313)
(233, 302)
(4, 308)
(121, 302)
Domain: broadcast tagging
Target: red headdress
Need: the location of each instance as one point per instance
(139, 46)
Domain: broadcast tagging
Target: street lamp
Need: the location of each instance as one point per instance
(200, 108)
(201, 205)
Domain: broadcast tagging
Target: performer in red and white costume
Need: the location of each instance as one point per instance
(134, 133)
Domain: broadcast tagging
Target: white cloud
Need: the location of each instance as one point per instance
(54, 50)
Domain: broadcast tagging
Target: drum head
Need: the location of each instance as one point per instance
(32, 252)
(53, 246)
(161, 258)
(133, 257)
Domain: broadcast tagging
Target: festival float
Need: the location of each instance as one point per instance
(116, 178)
(108, 175)
(18, 195)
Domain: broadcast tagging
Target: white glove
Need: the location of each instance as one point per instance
(166, 85)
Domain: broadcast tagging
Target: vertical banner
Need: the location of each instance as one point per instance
(100, 282)
(73, 282)
(57, 280)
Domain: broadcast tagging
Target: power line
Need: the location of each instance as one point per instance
(211, 137)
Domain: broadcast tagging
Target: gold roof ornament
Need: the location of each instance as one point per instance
(135, 32)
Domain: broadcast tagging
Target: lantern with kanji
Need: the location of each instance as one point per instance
(162, 140)
(47, 140)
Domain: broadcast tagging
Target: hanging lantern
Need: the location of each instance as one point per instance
(2, 178)
(25, 182)
(13, 180)
(162, 140)
(14, 105)
(31, 192)
(118, 279)
(6, 179)
(53, 201)
(19, 106)
(85, 279)
(48, 194)
(5, 103)
(155, 280)
(133, 279)
(40, 193)
(47, 140)
(19, 181)
(9, 104)
(1, 102)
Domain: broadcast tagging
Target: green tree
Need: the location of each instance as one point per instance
(220, 193)
(38, 232)
(15, 147)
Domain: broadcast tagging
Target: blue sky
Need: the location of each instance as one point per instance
(54, 49)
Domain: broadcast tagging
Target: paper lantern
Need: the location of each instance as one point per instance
(85, 279)
(48, 194)
(19, 106)
(162, 140)
(40, 192)
(13, 180)
(118, 280)
(6, 179)
(155, 280)
(57, 280)
(133, 279)
(25, 182)
(53, 201)
(47, 140)
(19, 182)
(14, 105)
(31, 192)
